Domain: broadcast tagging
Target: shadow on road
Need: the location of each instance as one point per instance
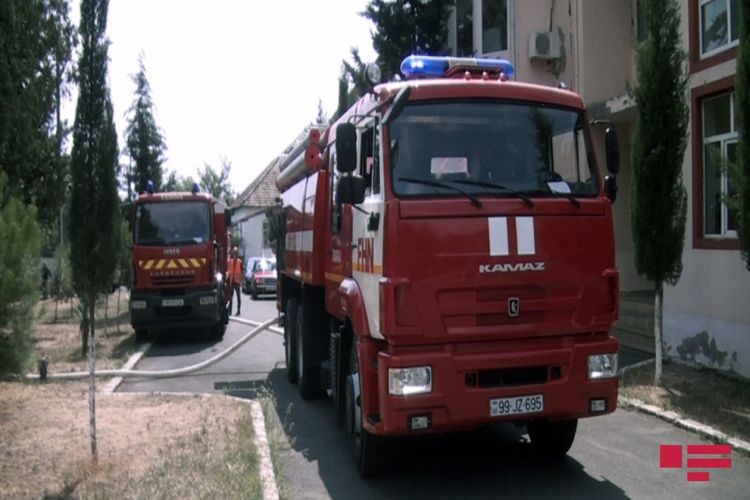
(490, 463)
(180, 341)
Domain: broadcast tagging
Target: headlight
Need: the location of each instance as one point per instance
(218, 277)
(407, 381)
(602, 366)
(138, 304)
(207, 300)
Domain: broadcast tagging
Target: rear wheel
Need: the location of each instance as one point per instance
(308, 350)
(368, 448)
(552, 439)
(290, 339)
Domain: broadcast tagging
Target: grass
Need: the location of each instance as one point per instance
(57, 335)
(699, 394)
(150, 446)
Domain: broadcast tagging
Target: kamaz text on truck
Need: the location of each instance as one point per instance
(446, 259)
(179, 263)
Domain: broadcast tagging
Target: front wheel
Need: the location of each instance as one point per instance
(368, 448)
(552, 439)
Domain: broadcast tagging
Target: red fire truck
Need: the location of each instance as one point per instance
(446, 259)
(179, 263)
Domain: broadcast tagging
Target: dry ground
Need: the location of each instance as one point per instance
(58, 336)
(150, 446)
(700, 394)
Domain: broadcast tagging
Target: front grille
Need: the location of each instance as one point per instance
(172, 280)
(506, 377)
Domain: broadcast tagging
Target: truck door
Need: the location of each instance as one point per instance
(367, 223)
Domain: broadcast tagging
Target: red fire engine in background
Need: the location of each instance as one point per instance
(446, 259)
(179, 263)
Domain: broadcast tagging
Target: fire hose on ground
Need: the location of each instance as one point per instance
(259, 327)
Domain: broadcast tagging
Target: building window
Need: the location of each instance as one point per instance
(481, 27)
(719, 25)
(464, 28)
(494, 26)
(719, 149)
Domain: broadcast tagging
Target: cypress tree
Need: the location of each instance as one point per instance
(94, 211)
(145, 143)
(659, 198)
(407, 27)
(743, 124)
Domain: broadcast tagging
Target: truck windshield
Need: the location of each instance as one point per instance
(498, 148)
(171, 223)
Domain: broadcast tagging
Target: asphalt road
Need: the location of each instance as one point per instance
(616, 456)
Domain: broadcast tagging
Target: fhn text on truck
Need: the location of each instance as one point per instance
(446, 259)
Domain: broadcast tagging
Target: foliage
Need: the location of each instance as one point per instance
(407, 27)
(659, 199)
(94, 212)
(61, 284)
(743, 124)
(145, 142)
(321, 118)
(352, 82)
(217, 183)
(176, 182)
(20, 277)
(124, 262)
(37, 40)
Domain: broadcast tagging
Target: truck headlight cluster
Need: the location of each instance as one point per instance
(602, 366)
(409, 381)
(138, 304)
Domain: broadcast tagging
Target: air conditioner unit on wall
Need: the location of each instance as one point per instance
(545, 45)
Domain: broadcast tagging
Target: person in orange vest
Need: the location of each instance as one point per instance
(236, 276)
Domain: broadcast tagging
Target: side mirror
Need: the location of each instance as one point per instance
(612, 149)
(346, 147)
(350, 189)
(610, 187)
(228, 217)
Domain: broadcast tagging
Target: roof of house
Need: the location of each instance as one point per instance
(262, 192)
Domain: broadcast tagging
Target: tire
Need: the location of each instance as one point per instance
(290, 339)
(253, 293)
(309, 358)
(218, 331)
(552, 439)
(369, 449)
(141, 335)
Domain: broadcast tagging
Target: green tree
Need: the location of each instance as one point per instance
(20, 277)
(37, 40)
(321, 118)
(61, 285)
(145, 142)
(176, 182)
(217, 183)
(352, 82)
(743, 124)
(407, 27)
(94, 211)
(658, 198)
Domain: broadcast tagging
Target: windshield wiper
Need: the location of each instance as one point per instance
(508, 190)
(428, 182)
(560, 194)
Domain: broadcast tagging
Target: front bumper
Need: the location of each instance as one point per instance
(166, 309)
(466, 378)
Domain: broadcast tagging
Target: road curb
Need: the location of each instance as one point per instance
(113, 384)
(677, 420)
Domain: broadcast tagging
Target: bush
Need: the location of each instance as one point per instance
(20, 280)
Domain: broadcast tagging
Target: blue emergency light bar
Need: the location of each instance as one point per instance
(435, 67)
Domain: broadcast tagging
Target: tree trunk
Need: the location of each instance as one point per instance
(92, 378)
(84, 328)
(106, 313)
(119, 291)
(658, 306)
(57, 301)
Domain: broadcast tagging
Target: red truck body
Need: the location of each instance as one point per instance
(425, 308)
(179, 263)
